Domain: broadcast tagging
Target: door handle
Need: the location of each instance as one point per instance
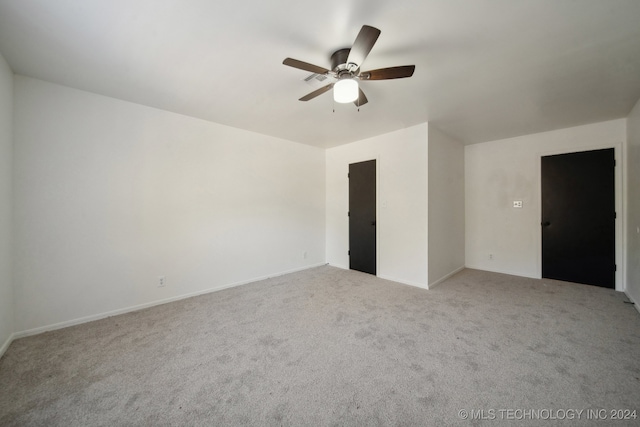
(545, 224)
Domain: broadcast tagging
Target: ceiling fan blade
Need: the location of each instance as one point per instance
(362, 99)
(304, 66)
(362, 46)
(317, 92)
(389, 73)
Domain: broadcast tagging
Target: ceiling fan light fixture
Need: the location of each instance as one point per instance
(345, 91)
(345, 67)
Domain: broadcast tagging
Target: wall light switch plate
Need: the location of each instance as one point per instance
(517, 203)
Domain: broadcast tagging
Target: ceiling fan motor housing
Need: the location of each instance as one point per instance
(339, 60)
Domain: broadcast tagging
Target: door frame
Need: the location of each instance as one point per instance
(620, 246)
(378, 222)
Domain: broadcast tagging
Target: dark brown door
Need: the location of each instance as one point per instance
(578, 217)
(362, 216)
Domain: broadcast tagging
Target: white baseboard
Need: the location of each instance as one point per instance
(339, 266)
(6, 344)
(404, 282)
(446, 276)
(510, 273)
(104, 315)
(635, 304)
(393, 279)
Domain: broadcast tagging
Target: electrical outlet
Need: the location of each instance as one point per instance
(161, 281)
(517, 203)
(304, 254)
(490, 257)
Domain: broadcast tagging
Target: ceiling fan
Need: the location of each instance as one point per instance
(345, 67)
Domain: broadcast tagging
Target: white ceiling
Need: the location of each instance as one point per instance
(485, 69)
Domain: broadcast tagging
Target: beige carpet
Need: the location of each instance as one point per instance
(332, 347)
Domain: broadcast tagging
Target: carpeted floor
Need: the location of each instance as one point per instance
(332, 347)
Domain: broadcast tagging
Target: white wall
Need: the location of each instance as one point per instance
(446, 205)
(499, 172)
(402, 203)
(6, 150)
(109, 195)
(633, 206)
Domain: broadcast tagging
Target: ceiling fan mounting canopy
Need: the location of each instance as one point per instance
(346, 63)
